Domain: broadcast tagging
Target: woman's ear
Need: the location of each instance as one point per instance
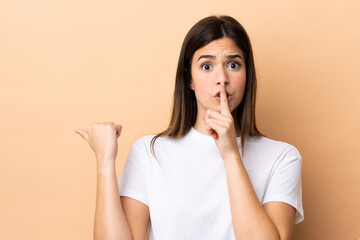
(191, 84)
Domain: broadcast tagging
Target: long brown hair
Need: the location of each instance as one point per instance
(184, 108)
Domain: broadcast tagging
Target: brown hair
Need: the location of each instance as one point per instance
(184, 109)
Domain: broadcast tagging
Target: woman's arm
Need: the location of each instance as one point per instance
(110, 221)
(250, 220)
(138, 216)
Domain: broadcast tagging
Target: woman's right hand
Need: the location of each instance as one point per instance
(102, 138)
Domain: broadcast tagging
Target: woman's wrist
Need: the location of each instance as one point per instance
(106, 165)
(232, 157)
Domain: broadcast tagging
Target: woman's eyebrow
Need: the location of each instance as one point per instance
(228, 56)
(206, 56)
(233, 56)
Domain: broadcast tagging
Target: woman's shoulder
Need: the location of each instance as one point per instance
(145, 147)
(270, 144)
(144, 142)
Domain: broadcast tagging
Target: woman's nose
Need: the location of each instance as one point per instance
(222, 77)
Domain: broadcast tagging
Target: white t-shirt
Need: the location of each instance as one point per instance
(186, 189)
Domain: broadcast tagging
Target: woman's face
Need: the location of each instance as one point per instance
(219, 62)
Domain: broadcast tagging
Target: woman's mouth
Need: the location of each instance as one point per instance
(228, 98)
(217, 96)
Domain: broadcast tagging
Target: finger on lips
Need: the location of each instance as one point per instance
(224, 106)
(215, 116)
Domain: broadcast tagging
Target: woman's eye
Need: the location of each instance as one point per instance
(206, 66)
(234, 65)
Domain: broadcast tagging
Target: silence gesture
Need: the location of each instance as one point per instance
(220, 125)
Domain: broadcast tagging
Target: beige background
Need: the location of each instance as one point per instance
(66, 64)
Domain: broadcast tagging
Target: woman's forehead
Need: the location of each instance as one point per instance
(219, 47)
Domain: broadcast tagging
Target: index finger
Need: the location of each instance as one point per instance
(224, 105)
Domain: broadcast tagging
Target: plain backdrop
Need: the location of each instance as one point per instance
(67, 64)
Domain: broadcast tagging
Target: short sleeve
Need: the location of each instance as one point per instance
(133, 179)
(285, 183)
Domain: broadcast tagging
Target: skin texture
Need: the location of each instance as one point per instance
(250, 219)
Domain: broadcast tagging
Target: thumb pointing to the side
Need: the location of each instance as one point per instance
(83, 134)
(118, 129)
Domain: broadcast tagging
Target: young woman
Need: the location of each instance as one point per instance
(211, 174)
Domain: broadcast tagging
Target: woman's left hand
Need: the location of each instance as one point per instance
(221, 127)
